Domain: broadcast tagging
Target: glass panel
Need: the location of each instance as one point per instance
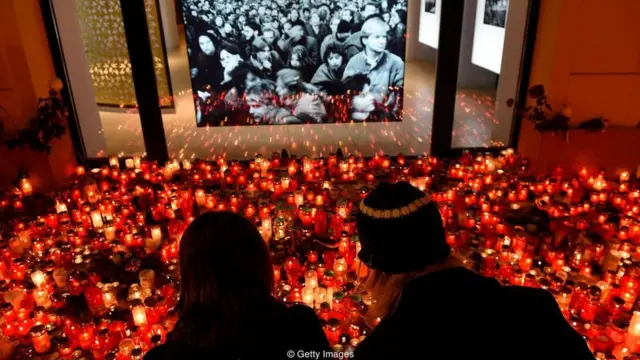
(97, 59)
(222, 20)
(488, 75)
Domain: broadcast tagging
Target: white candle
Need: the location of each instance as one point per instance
(110, 232)
(266, 227)
(136, 162)
(311, 279)
(633, 335)
(61, 207)
(329, 296)
(307, 296)
(340, 268)
(156, 233)
(139, 315)
(200, 197)
(38, 278)
(299, 197)
(113, 161)
(109, 294)
(96, 219)
(41, 297)
(264, 166)
(320, 296)
(129, 164)
(285, 181)
(25, 187)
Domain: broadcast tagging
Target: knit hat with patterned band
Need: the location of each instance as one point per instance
(400, 229)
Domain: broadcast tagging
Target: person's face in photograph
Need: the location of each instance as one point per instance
(269, 37)
(229, 61)
(252, 79)
(286, 27)
(257, 106)
(205, 7)
(296, 33)
(228, 29)
(275, 24)
(206, 45)
(219, 21)
(368, 11)
(385, 17)
(274, 13)
(334, 25)
(261, 10)
(346, 15)
(384, 5)
(315, 20)
(247, 33)
(334, 61)
(264, 54)
(242, 20)
(295, 61)
(305, 14)
(376, 42)
(395, 18)
(293, 15)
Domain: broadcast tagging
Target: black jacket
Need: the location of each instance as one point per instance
(456, 314)
(271, 335)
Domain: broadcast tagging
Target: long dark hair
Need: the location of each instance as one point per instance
(226, 278)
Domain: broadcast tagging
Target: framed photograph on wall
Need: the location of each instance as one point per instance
(488, 41)
(429, 31)
(277, 62)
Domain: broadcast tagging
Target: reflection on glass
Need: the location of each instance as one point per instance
(102, 30)
(488, 75)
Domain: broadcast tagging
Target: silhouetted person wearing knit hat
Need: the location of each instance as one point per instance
(433, 308)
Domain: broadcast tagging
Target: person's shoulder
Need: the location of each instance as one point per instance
(540, 298)
(394, 59)
(167, 351)
(301, 312)
(359, 57)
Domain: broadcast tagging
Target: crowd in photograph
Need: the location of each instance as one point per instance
(296, 61)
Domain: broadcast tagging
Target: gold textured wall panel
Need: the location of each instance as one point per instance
(106, 49)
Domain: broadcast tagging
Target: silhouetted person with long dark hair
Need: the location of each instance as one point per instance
(226, 310)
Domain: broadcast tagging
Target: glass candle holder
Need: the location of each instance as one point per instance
(311, 279)
(109, 294)
(138, 312)
(307, 296)
(60, 277)
(38, 278)
(41, 298)
(147, 278)
(40, 339)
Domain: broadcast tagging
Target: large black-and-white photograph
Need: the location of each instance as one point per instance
(277, 62)
(430, 6)
(495, 12)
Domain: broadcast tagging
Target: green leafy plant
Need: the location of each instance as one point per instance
(48, 124)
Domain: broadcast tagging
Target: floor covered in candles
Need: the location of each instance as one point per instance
(92, 270)
(473, 125)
